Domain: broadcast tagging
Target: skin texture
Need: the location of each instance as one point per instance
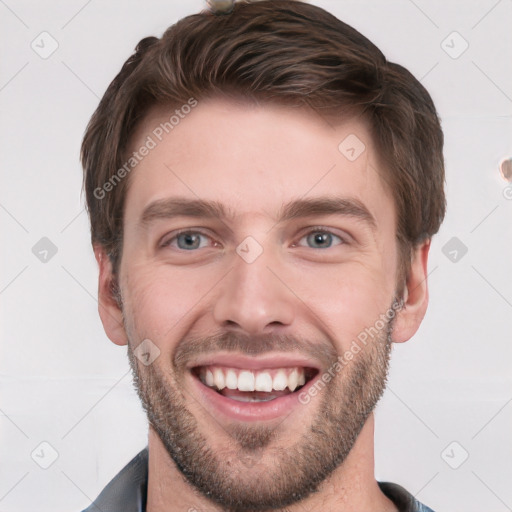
(297, 296)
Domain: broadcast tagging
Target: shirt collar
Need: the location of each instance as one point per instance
(127, 491)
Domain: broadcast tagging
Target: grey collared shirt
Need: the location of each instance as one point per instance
(127, 491)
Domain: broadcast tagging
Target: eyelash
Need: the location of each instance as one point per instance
(314, 229)
(184, 232)
(324, 231)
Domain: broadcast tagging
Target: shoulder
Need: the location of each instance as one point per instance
(404, 501)
(126, 492)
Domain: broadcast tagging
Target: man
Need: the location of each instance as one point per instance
(262, 186)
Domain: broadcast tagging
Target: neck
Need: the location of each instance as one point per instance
(352, 486)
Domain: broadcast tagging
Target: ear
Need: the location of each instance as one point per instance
(110, 311)
(409, 318)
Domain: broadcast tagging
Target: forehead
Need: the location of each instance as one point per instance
(253, 158)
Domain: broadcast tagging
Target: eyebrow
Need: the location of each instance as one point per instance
(183, 207)
(296, 209)
(347, 207)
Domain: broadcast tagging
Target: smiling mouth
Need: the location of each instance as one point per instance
(254, 385)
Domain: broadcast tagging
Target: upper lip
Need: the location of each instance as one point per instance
(244, 362)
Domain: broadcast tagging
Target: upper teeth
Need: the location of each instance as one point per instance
(253, 380)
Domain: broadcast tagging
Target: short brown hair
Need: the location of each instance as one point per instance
(283, 51)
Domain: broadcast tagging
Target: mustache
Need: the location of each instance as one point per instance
(322, 352)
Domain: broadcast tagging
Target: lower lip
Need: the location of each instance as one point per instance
(250, 411)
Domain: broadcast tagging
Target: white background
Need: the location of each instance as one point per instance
(62, 381)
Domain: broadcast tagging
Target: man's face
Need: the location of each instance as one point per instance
(258, 297)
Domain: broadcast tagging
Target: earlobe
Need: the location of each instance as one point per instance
(415, 298)
(109, 304)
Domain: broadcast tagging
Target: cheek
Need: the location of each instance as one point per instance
(160, 299)
(347, 299)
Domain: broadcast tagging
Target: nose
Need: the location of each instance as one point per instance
(254, 297)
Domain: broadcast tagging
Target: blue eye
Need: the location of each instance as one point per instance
(322, 239)
(186, 240)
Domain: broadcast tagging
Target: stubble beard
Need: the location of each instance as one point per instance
(254, 472)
